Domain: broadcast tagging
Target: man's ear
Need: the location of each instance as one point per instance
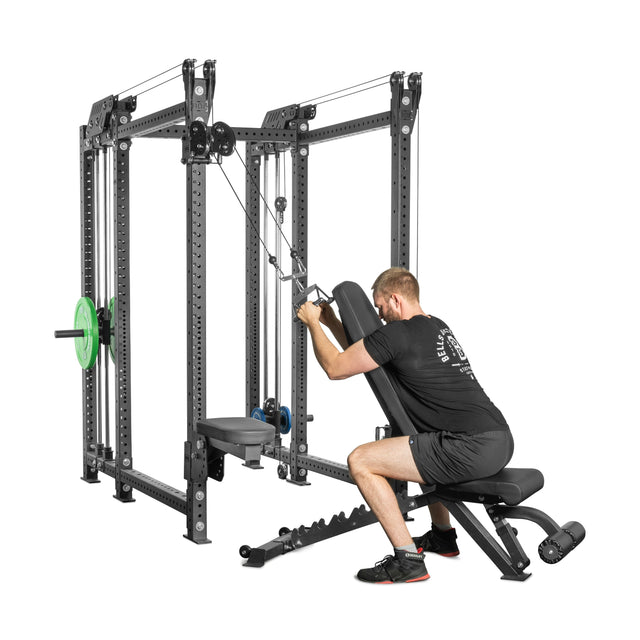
(395, 299)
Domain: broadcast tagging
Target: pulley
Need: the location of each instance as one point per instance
(267, 416)
(223, 139)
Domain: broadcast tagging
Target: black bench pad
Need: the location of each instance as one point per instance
(247, 431)
(510, 486)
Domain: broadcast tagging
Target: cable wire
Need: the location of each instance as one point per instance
(353, 93)
(149, 79)
(246, 213)
(326, 95)
(165, 82)
(263, 200)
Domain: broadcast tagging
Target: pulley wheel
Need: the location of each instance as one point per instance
(285, 420)
(86, 319)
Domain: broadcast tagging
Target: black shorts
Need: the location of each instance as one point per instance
(445, 457)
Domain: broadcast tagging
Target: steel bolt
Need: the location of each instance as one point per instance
(406, 100)
(302, 472)
(199, 526)
(126, 462)
(123, 146)
(123, 119)
(199, 495)
(126, 488)
(302, 448)
(200, 443)
(303, 126)
(199, 91)
(304, 152)
(406, 129)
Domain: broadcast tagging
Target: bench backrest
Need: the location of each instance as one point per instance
(360, 319)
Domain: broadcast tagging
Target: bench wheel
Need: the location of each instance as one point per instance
(284, 531)
(245, 551)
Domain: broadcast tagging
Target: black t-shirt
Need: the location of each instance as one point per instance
(435, 382)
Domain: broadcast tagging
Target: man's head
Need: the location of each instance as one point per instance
(394, 291)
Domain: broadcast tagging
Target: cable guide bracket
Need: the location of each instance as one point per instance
(404, 102)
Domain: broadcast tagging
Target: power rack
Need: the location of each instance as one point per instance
(102, 326)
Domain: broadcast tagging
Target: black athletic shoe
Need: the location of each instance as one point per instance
(441, 542)
(403, 567)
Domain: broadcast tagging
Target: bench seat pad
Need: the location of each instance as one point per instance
(510, 486)
(247, 431)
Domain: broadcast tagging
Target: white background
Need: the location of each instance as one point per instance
(529, 163)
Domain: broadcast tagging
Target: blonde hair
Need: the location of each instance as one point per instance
(397, 280)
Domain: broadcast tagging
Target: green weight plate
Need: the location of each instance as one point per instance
(87, 320)
(112, 324)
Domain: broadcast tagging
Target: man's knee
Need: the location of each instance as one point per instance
(356, 462)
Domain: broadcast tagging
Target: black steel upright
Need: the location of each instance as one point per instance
(299, 443)
(198, 97)
(124, 460)
(253, 275)
(88, 289)
(404, 108)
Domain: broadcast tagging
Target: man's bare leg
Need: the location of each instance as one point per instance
(440, 515)
(370, 465)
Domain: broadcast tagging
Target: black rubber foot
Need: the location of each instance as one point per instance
(90, 480)
(205, 541)
(124, 499)
(519, 578)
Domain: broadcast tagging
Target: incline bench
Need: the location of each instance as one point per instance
(501, 494)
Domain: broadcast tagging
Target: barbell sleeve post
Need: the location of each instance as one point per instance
(69, 333)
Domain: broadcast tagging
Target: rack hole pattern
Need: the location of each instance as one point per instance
(122, 304)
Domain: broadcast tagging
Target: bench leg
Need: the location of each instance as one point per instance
(510, 570)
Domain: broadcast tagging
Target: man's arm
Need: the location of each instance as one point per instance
(337, 365)
(330, 320)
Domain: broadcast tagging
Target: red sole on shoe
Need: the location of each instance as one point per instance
(444, 555)
(426, 577)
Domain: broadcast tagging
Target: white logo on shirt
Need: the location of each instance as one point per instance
(448, 349)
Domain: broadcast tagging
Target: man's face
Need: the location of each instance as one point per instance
(386, 308)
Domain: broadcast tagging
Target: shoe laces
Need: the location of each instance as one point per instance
(382, 564)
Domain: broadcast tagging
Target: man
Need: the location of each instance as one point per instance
(461, 434)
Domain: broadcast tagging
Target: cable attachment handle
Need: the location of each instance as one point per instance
(301, 297)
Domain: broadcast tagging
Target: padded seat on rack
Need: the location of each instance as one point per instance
(510, 486)
(243, 431)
